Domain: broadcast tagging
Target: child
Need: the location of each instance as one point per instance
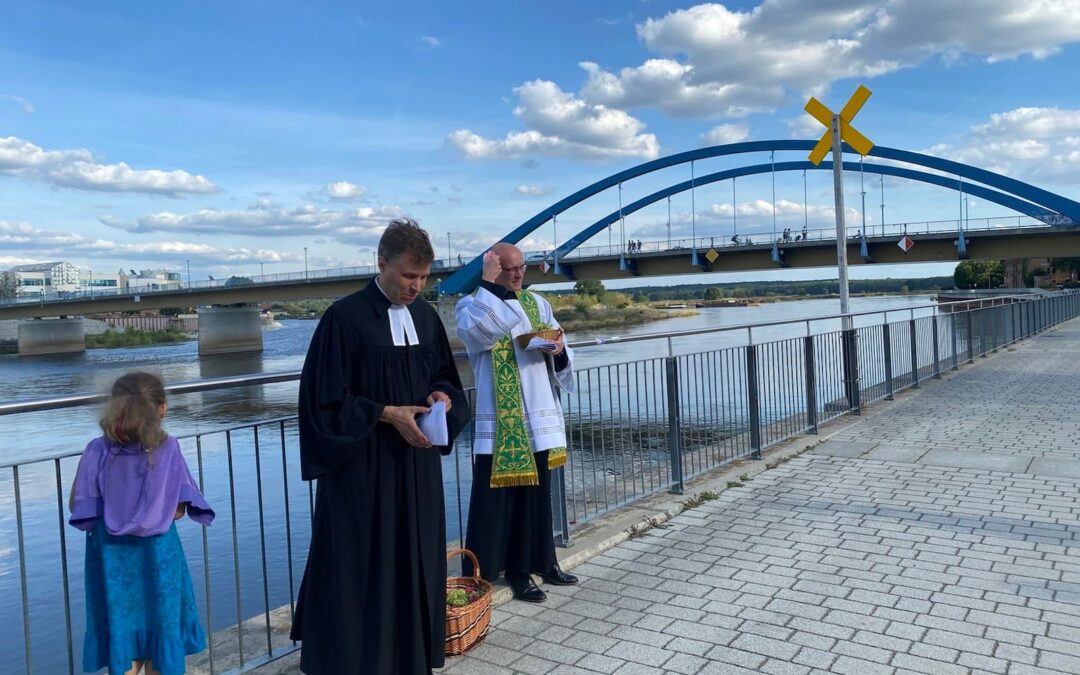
(131, 485)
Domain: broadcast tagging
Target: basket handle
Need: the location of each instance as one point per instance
(468, 554)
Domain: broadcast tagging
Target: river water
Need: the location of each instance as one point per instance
(246, 467)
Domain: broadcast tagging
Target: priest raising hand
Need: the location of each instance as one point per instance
(519, 425)
(373, 598)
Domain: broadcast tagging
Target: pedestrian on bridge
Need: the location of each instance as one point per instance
(131, 485)
(373, 596)
(519, 426)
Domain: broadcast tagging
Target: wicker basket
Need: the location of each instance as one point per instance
(550, 334)
(466, 626)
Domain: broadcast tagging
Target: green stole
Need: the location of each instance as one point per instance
(512, 462)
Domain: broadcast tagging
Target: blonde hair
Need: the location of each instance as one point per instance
(131, 415)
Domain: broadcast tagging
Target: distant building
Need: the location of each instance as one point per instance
(154, 280)
(94, 282)
(45, 279)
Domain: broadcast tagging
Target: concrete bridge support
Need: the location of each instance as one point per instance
(51, 336)
(445, 306)
(226, 330)
(1014, 272)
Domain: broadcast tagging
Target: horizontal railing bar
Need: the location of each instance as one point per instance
(212, 384)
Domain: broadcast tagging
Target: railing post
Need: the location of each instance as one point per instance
(955, 341)
(886, 341)
(671, 369)
(937, 354)
(850, 355)
(558, 504)
(914, 355)
(970, 339)
(995, 313)
(811, 384)
(752, 400)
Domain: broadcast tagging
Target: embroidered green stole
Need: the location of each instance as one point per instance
(512, 461)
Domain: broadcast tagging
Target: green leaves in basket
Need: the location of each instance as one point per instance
(457, 598)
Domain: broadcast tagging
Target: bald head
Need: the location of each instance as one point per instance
(513, 265)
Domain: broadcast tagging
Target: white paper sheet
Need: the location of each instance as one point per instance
(433, 424)
(542, 344)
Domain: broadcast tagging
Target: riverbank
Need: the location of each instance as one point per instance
(581, 318)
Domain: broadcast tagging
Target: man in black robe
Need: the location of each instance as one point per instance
(373, 597)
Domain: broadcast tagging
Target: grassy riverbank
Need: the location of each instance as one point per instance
(135, 338)
(585, 312)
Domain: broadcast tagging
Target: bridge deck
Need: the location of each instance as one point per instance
(938, 534)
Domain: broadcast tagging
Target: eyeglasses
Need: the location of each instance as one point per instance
(510, 270)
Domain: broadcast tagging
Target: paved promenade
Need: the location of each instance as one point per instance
(938, 534)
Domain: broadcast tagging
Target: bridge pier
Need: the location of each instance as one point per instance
(445, 306)
(1014, 272)
(227, 330)
(51, 336)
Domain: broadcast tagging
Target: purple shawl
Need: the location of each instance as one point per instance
(135, 493)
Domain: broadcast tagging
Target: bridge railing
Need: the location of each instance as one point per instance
(635, 427)
(758, 232)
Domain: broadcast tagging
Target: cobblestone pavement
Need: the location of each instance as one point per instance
(940, 534)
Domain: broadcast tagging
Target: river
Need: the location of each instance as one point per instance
(237, 477)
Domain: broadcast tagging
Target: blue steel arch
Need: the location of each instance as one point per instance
(467, 277)
(1006, 200)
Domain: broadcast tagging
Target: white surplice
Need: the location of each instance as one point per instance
(482, 320)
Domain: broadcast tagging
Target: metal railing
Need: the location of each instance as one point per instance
(635, 428)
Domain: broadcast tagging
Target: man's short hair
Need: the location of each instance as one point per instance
(403, 236)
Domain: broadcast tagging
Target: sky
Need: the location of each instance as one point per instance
(243, 137)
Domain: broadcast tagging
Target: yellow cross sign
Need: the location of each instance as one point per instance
(848, 133)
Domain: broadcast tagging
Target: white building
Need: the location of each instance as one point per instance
(45, 279)
(154, 280)
(94, 282)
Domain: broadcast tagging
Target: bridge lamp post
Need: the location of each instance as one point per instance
(305, 262)
(91, 281)
(188, 273)
(449, 251)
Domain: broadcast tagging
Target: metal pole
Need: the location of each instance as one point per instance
(886, 340)
(558, 501)
(914, 355)
(811, 384)
(882, 204)
(772, 162)
(693, 212)
(305, 263)
(734, 212)
(449, 252)
(752, 400)
(862, 190)
(669, 223)
(188, 273)
(937, 357)
(805, 216)
(671, 370)
(555, 251)
(841, 237)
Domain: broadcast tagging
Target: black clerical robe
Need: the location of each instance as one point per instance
(373, 597)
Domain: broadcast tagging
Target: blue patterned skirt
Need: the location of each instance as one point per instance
(139, 603)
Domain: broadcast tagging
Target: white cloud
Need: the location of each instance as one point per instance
(362, 225)
(77, 169)
(714, 61)
(23, 103)
(726, 133)
(561, 124)
(430, 41)
(344, 191)
(37, 244)
(1026, 143)
(531, 190)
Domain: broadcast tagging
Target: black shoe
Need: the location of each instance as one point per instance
(556, 576)
(526, 589)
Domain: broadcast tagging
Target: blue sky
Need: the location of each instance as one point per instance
(235, 134)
